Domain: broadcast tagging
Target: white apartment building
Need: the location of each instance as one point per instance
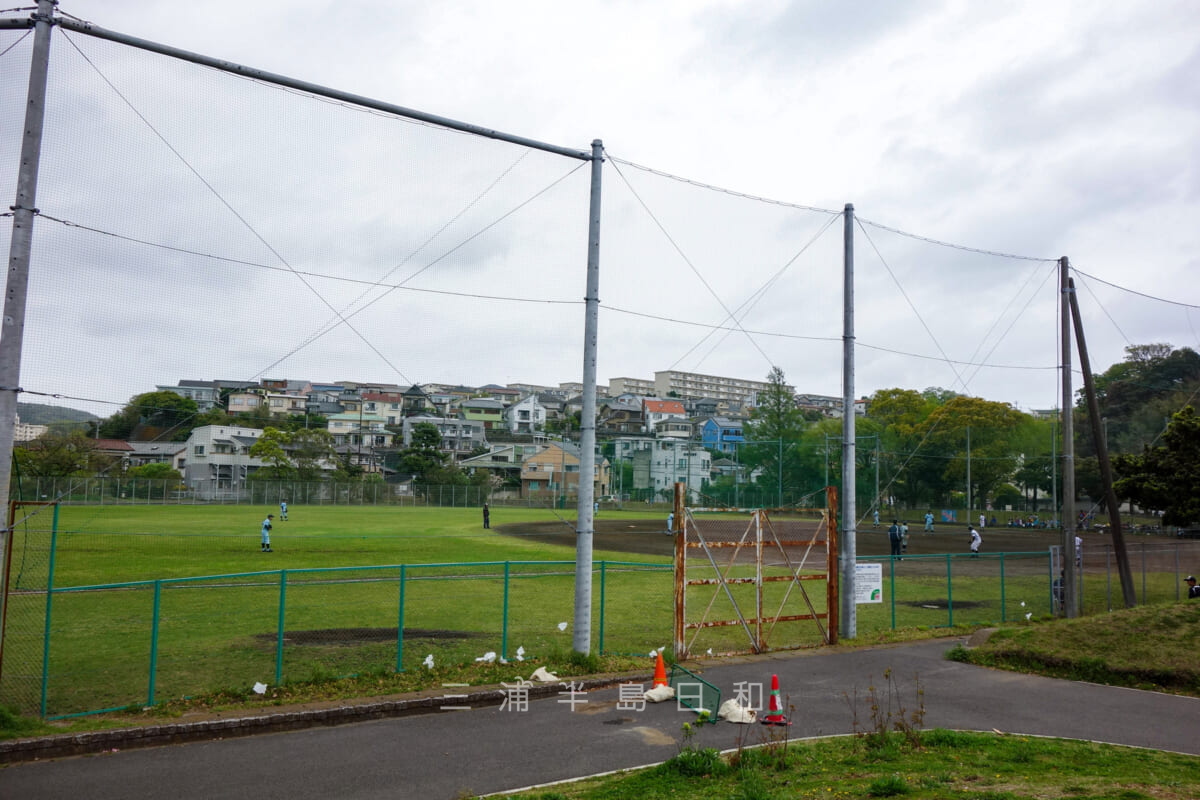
(630, 386)
(693, 384)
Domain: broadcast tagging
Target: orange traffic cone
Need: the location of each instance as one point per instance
(775, 715)
(660, 672)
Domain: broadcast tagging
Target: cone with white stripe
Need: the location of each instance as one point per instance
(774, 715)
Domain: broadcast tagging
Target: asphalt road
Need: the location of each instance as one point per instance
(449, 753)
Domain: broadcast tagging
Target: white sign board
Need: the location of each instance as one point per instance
(868, 583)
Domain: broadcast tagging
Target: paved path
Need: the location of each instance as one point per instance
(445, 754)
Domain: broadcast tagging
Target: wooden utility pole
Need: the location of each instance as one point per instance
(1110, 497)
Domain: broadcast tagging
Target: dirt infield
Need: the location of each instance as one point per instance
(649, 537)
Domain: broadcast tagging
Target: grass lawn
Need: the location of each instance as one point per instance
(929, 765)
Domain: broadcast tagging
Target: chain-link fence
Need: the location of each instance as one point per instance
(81, 649)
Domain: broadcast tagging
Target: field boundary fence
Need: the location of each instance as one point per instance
(157, 491)
(75, 650)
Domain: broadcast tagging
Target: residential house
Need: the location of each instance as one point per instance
(218, 460)
(459, 436)
(206, 394)
(655, 411)
(554, 404)
(619, 416)
(554, 470)
(245, 401)
(389, 405)
(416, 400)
(501, 393)
(527, 415)
(173, 453)
(489, 412)
(701, 406)
(359, 428)
(657, 469)
(285, 403)
(722, 433)
(674, 428)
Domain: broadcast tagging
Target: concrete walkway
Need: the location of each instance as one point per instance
(446, 753)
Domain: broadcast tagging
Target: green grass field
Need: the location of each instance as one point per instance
(193, 607)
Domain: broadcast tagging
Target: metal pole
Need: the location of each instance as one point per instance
(587, 421)
(1070, 600)
(12, 326)
(312, 88)
(848, 611)
(1100, 437)
(968, 474)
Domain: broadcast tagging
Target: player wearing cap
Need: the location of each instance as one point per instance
(1193, 589)
(266, 533)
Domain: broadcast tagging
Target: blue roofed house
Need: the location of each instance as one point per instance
(722, 434)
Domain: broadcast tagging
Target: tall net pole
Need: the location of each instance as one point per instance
(585, 519)
(12, 332)
(847, 619)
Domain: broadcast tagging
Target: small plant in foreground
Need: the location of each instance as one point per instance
(888, 713)
(889, 786)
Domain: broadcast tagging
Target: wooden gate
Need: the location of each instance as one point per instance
(758, 569)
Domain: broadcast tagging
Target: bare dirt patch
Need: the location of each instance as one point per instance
(356, 636)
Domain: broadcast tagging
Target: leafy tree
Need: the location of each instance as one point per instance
(1166, 477)
(55, 455)
(774, 430)
(990, 426)
(156, 471)
(423, 456)
(272, 447)
(164, 414)
(312, 449)
(1137, 396)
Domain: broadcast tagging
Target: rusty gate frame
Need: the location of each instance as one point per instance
(759, 519)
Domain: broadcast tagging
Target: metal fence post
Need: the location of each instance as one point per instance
(279, 637)
(1003, 605)
(600, 645)
(949, 592)
(49, 598)
(154, 640)
(504, 622)
(892, 562)
(400, 625)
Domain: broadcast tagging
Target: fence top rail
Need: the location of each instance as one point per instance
(940, 556)
(279, 573)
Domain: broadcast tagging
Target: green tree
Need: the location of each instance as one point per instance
(312, 451)
(1137, 396)
(423, 456)
(272, 447)
(154, 415)
(155, 472)
(774, 430)
(990, 426)
(1166, 477)
(57, 455)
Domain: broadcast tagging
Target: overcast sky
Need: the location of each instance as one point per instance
(1038, 129)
